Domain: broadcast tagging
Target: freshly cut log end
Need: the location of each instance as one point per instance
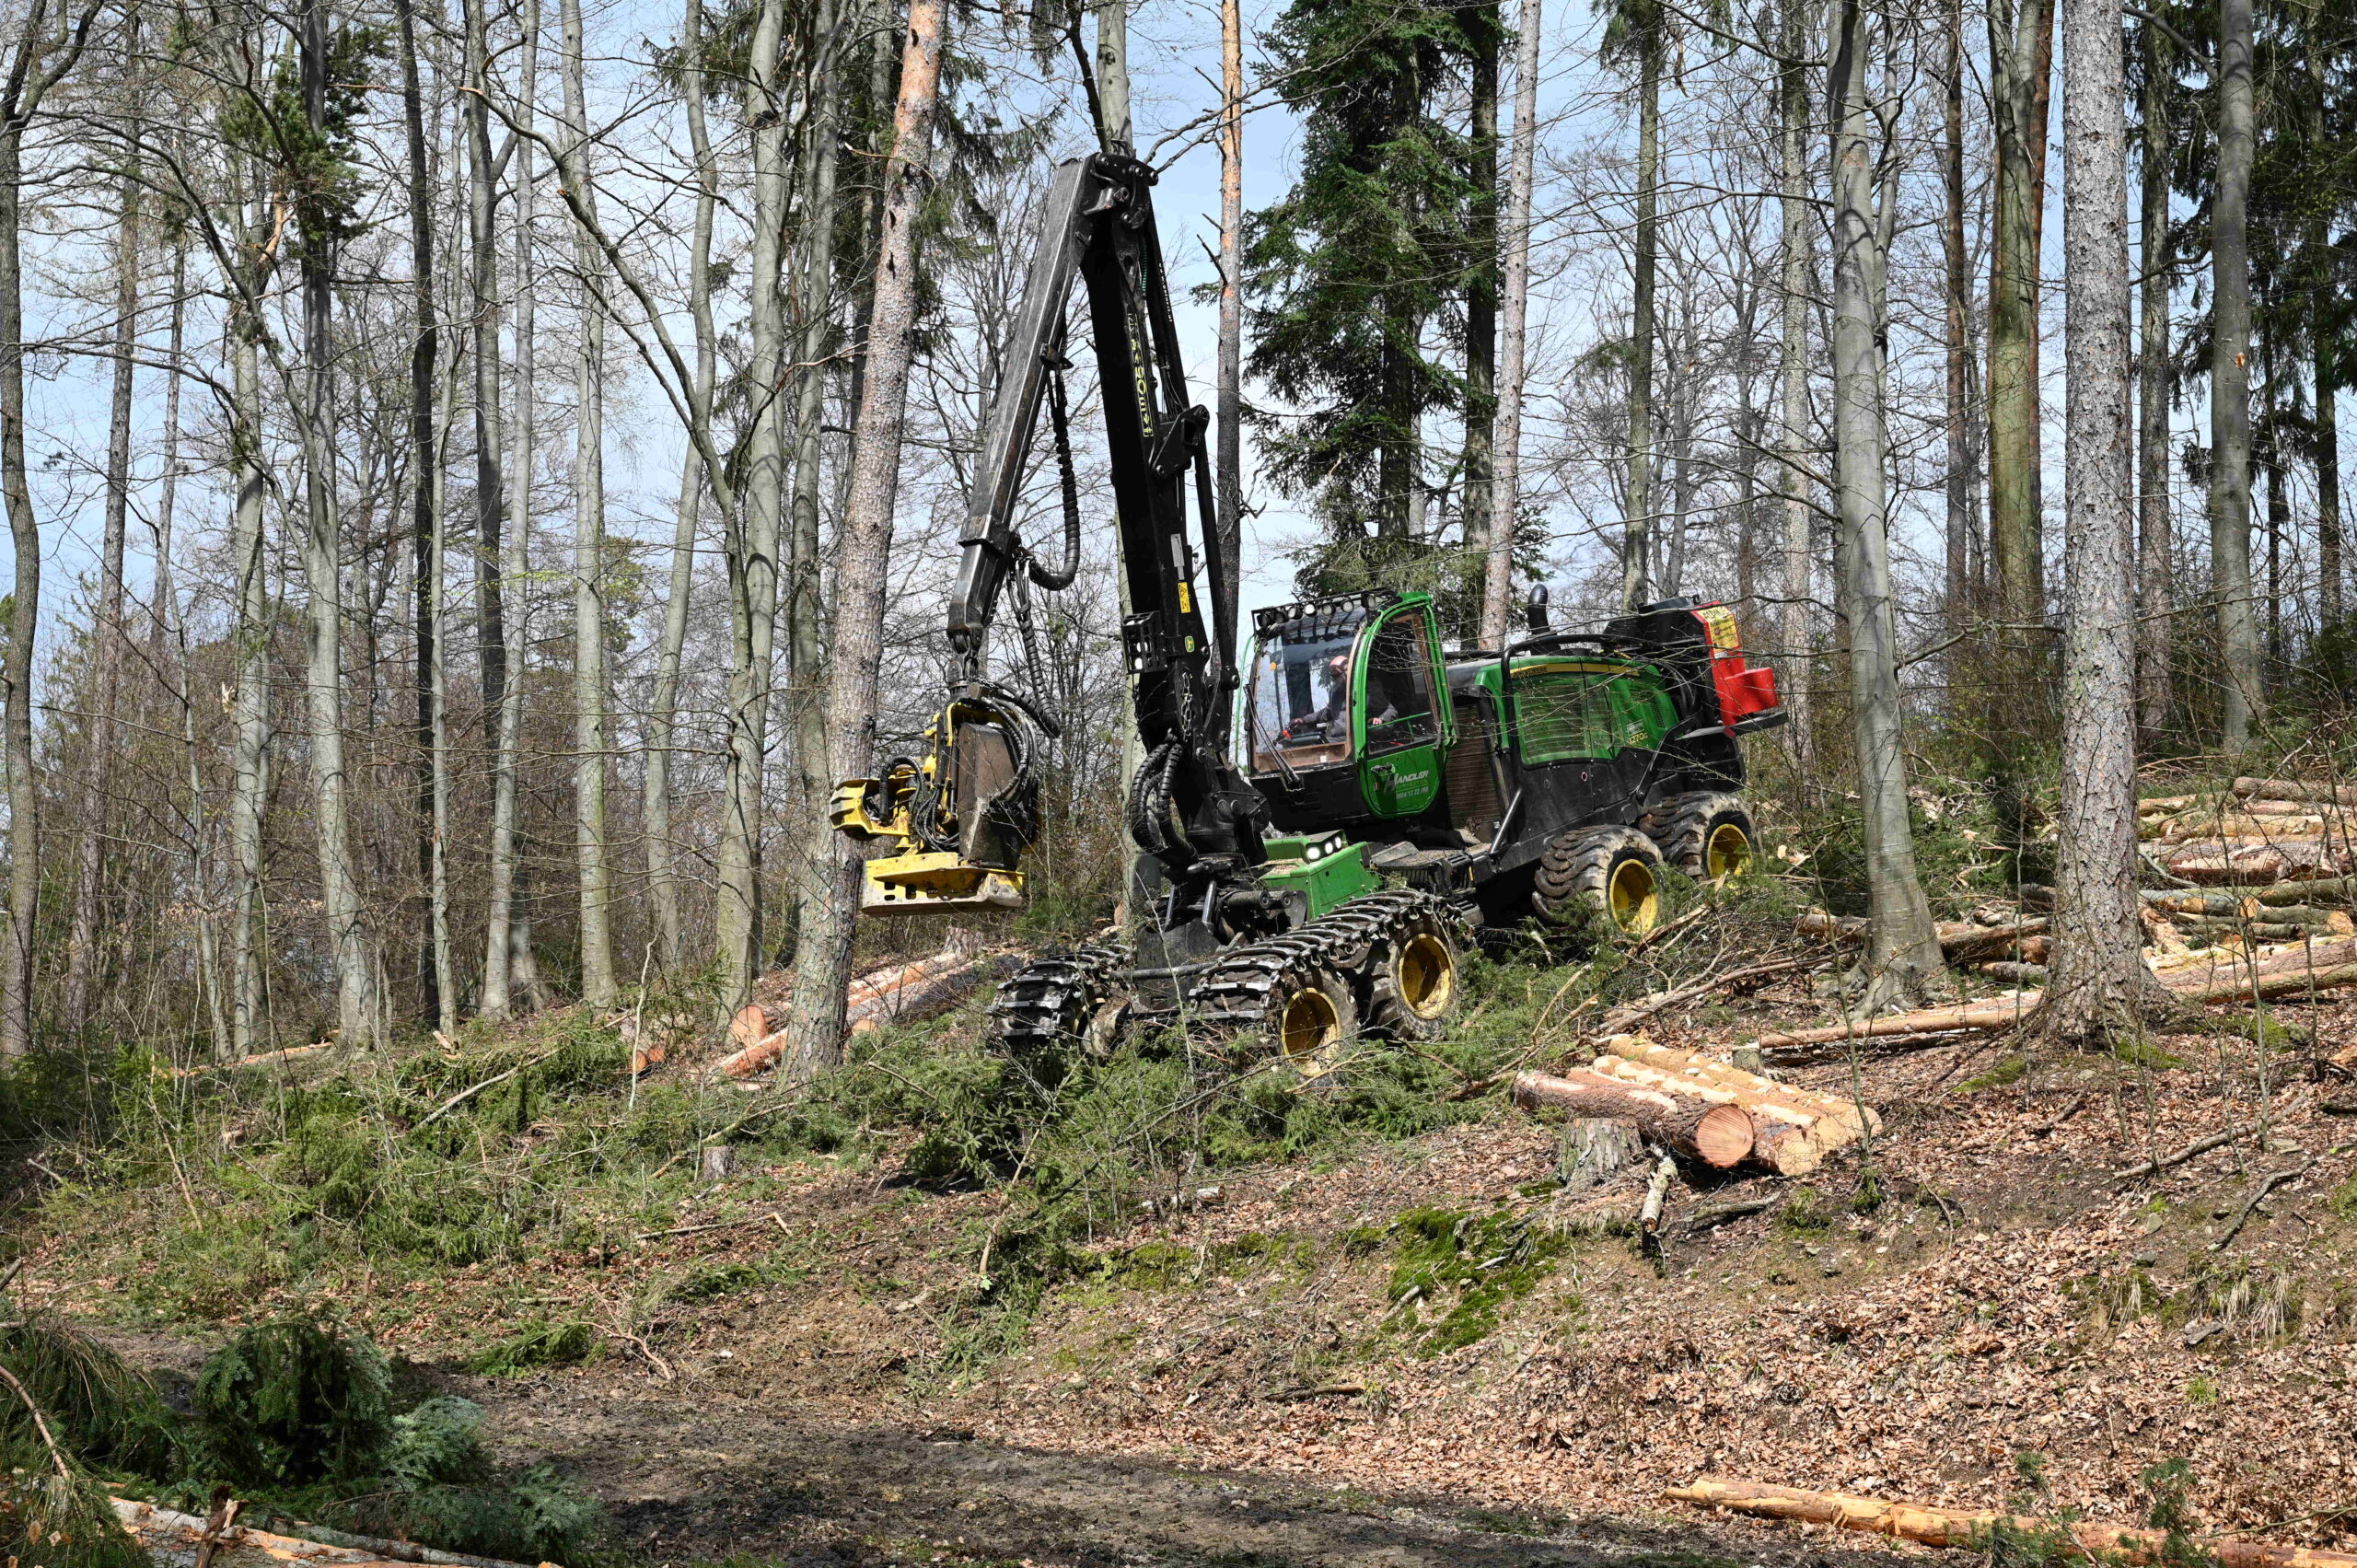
(1717, 1135)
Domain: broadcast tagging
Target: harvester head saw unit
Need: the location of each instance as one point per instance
(959, 816)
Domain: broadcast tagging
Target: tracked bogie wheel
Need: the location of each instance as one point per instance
(1388, 960)
(1060, 1007)
(1602, 878)
(1706, 833)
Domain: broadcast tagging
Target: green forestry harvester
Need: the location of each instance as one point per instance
(1319, 823)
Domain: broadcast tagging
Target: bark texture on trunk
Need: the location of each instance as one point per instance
(590, 740)
(864, 547)
(354, 962)
(1497, 581)
(2240, 678)
(2021, 52)
(1482, 288)
(437, 1002)
(811, 850)
(107, 640)
(1636, 542)
(662, 727)
(758, 530)
(499, 645)
(1793, 668)
(2097, 974)
(1228, 397)
(2156, 527)
(1963, 456)
(249, 788)
(1902, 957)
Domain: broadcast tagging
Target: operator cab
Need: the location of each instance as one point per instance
(1340, 718)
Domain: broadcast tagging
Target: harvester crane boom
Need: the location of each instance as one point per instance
(1098, 225)
(966, 813)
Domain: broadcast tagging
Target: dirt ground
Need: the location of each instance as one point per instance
(711, 1476)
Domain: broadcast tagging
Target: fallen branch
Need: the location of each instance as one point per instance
(454, 1102)
(2267, 1184)
(2194, 1150)
(1727, 1213)
(1971, 1530)
(1618, 1020)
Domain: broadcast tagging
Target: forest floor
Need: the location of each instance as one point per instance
(1422, 1350)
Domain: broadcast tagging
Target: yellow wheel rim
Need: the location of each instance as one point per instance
(1728, 854)
(1427, 976)
(1309, 1024)
(1632, 897)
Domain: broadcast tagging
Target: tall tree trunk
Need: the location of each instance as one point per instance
(1229, 394)
(811, 850)
(599, 987)
(1961, 458)
(436, 1004)
(1636, 564)
(524, 989)
(662, 874)
(169, 647)
(1902, 956)
(2240, 680)
(1791, 373)
(249, 1022)
(1497, 582)
(2098, 962)
(2155, 527)
(355, 967)
(503, 692)
(108, 644)
(1481, 283)
(863, 548)
(35, 62)
(2021, 52)
(1113, 75)
(758, 532)
(2327, 438)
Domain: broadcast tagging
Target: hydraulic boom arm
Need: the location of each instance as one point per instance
(966, 812)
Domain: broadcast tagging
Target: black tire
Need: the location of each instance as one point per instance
(1416, 983)
(1046, 1015)
(1602, 878)
(1705, 834)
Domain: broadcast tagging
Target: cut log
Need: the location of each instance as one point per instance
(1961, 941)
(1718, 1135)
(1981, 1016)
(2215, 862)
(1792, 1129)
(265, 1058)
(2296, 789)
(923, 995)
(2241, 826)
(1971, 1530)
(2020, 974)
(171, 1536)
(883, 995)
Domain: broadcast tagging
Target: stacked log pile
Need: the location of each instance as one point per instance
(1704, 1108)
(2259, 832)
(898, 992)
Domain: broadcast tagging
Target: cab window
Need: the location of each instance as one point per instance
(1297, 707)
(1400, 687)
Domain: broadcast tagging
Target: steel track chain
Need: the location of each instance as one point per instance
(1234, 994)
(1033, 1008)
